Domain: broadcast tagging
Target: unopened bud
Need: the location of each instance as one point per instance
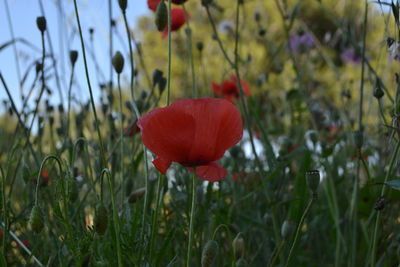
(101, 219)
(378, 92)
(161, 16)
(123, 4)
(238, 246)
(41, 24)
(157, 76)
(209, 253)
(136, 195)
(257, 17)
(73, 56)
(313, 180)
(36, 219)
(200, 46)
(118, 62)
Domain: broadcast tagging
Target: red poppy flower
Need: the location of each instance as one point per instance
(44, 179)
(229, 90)
(194, 133)
(178, 19)
(152, 4)
(131, 130)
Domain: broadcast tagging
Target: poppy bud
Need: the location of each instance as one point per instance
(41, 24)
(136, 195)
(36, 219)
(206, 2)
(161, 16)
(162, 84)
(358, 138)
(101, 219)
(118, 62)
(123, 4)
(241, 263)
(157, 76)
(238, 246)
(313, 180)
(209, 253)
(73, 56)
(39, 67)
(91, 31)
(200, 46)
(257, 17)
(378, 92)
(262, 32)
(287, 229)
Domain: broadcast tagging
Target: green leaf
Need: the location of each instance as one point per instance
(395, 184)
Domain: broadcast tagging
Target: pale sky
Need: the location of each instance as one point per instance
(93, 14)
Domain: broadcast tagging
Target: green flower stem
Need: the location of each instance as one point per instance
(69, 99)
(190, 50)
(115, 216)
(121, 141)
(4, 209)
(155, 215)
(378, 213)
(313, 198)
(102, 152)
(169, 54)
(192, 212)
(277, 253)
(110, 36)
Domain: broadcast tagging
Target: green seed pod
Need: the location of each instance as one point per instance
(157, 76)
(136, 195)
(241, 263)
(378, 92)
(36, 219)
(73, 56)
(287, 229)
(161, 16)
(209, 253)
(123, 4)
(200, 46)
(118, 62)
(101, 219)
(238, 246)
(41, 24)
(358, 138)
(313, 180)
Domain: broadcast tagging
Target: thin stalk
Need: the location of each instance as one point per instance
(192, 210)
(69, 98)
(278, 252)
(131, 60)
(155, 215)
(190, 50)
(102, 152)
(360, 128)
(115, 216)
(169, 54)
(313, 198)
(14, 107)
(378, 213)
(110, 36)
(4, 208)
(121, 141)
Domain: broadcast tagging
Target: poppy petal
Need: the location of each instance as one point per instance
(162, 164)
(152, 4)
(218, 127)
(212, 172)
(168, 132)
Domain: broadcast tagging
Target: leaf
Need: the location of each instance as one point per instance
(395, 184)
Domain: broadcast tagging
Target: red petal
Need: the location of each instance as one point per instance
(161, 164)
(168, 132)
(218, 127)
(152, 4)
(212, 172)
(216, 89)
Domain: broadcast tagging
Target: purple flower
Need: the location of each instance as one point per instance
(299, 43)
(350, 56)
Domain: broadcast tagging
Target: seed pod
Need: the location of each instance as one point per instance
(118, 62)
(162, 84)
(238, 246)
(101, 219)
(241, 263)
(209, 253)
(36, 219)
(200, 46)
(136, 195)
(161, 16)
(257, 16)
(313, 180)
(287, 229)
(73, 56)
(41, 24)
(123, 4)
(157, 76)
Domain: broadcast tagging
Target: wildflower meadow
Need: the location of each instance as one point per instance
(200, 133)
